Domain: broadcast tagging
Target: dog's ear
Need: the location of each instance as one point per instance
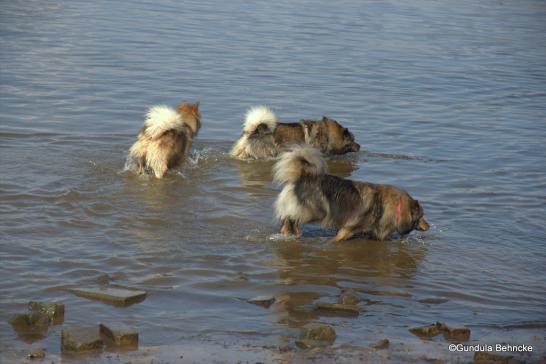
(195, 107)
(182, 107)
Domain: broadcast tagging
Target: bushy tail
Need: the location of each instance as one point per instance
(297, 163)
(258, 115)
(160, 119)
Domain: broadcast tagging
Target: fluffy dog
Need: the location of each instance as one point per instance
(264, 137)
(166, 138)
(310, 194)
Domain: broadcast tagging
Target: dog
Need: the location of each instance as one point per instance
(309, 194)
(165, 140)
(264, 137)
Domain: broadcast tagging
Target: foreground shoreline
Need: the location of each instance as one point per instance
(414, 350)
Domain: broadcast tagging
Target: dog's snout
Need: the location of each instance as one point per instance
(355, 147)
(423, 225)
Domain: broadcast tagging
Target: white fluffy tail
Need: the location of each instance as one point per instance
(299, 162)
(160, 119)
(259, 115)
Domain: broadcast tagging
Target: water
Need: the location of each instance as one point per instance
(447, 99)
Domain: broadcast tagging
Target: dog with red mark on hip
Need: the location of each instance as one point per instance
(309, 194)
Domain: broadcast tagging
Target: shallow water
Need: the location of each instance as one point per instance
(446, 98)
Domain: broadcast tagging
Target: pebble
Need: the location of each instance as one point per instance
(381, 344)
(347, 298)
(264, 301)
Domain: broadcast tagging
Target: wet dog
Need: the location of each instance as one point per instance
(165, 140)
(309, 194)
(264, 137)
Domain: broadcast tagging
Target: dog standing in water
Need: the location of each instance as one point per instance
(264, 137)
(165, 140)
(309, 194)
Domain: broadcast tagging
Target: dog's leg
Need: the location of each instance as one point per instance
(343, 234)
(290, 227)
(140, 165)
(286, 228)
(160, 170)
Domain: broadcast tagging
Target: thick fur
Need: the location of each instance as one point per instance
(264, 137)
(165, 140)
(309, 194)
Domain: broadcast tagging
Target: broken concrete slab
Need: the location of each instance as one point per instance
(116, 296)
(78, 340)
(119, 337)
(53, 310)
(349, 310)
(264, 301)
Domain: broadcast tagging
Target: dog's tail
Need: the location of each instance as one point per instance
(297, 163)
(259, 117)
(160, 119)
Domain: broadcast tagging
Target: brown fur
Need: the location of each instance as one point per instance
(169, 149)
(311, 195)
(326, 134)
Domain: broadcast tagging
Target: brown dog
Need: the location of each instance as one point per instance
(311, 195)
(166, 138)
(264, 137)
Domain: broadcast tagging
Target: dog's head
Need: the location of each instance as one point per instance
(190, 115)
(340, 140)
(411, 217)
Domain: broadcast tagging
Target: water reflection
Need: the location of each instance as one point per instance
(322, 271)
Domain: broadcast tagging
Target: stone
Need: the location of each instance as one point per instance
(306, 344)
(426, 332)
(116, 296)
(453, 334)
(347, 298)
(103, 279)
(381, 344)
(120, 337)
(37, 354)
(318, 332)
(481, 357)
(30, 326)
(264, 301)
(81, 340)
(457, 334)
(351, 310)
(55, 311)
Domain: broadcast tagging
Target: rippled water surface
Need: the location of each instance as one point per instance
(448, 100)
